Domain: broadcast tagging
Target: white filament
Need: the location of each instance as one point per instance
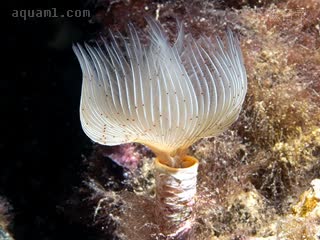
(164, 96)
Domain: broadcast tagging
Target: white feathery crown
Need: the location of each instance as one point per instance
(162, 95)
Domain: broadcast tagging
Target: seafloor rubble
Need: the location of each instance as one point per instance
(251, 176)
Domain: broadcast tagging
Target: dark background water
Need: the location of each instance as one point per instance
(41, 137)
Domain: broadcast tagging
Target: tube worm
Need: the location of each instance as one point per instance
(165, 96)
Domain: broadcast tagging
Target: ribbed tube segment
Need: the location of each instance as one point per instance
(175, 197)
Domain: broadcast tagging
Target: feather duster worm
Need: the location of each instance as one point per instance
(166, 97)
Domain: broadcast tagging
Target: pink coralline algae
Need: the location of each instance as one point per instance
(126, 155)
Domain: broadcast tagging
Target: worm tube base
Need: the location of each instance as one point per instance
(175, 197)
